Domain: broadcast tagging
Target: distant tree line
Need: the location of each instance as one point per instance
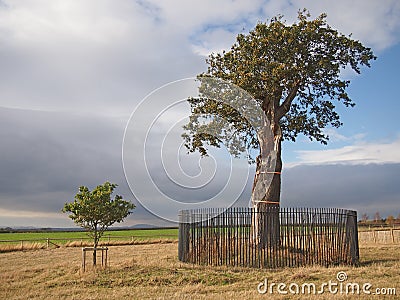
(12, 230)
(377, 220)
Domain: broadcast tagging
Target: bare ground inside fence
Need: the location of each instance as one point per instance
(154, 272)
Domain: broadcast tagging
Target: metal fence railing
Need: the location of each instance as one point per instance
(274, 237)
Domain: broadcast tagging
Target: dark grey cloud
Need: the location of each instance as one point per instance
(45, 154)
(368, 188)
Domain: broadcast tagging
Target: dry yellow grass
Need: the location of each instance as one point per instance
(43, 245)
(19, 247)
(153, 272)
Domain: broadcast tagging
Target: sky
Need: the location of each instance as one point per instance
(94, 91)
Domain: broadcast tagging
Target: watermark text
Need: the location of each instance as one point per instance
(338, 286)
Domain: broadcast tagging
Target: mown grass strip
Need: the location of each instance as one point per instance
(64, 237)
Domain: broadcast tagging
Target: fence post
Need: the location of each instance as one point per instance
(48, 243)
(355, 238)
(106, 259)
(83, 259)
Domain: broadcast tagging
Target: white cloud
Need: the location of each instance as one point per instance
(358, 153)
(375, 23)
(214, 41)
(194, 14)
(95, 56)
(95, 21)
(335, 136)
(8, 213)
(84, 55)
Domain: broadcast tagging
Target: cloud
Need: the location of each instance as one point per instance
(90, 56)
(47, 156)
(375, 23)
(358, 153)
(84, 55)
(42, 166)
(213, 41)
(72, 72)
(366, 188)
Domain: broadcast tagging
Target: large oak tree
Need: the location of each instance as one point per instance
(293, 72)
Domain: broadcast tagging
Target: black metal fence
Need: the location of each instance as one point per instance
(272, 238)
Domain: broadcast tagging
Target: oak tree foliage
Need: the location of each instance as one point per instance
(292, 71)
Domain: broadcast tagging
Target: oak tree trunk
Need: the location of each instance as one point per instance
(267, 187)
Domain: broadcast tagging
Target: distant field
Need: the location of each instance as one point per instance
(17, 241)
(64, 237)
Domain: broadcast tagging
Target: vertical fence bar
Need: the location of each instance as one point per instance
(285, 243)
(252, 238)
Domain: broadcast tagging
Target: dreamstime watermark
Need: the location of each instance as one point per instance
(160, 174)
(339, 286)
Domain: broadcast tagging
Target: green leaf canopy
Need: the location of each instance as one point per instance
(293, 72)
(96, 210)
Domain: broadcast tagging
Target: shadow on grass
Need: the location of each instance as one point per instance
(377, 261)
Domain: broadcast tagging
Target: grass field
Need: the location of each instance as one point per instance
(154, 272)
(39, 239)
(17, 241)
(74, 235)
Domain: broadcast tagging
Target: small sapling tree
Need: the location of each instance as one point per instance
(95, 211)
